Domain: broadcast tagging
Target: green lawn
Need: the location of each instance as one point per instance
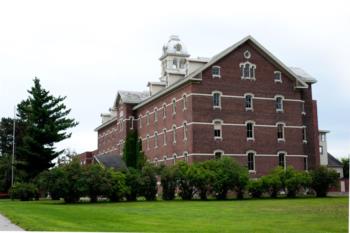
(266, 215)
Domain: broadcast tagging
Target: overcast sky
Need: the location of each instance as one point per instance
(87, 50)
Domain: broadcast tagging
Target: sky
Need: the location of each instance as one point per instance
(88, 50)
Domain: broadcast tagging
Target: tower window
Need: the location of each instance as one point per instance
(251, 161)
(216, 72)
(277, 76)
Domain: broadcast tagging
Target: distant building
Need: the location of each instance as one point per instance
(242, 103)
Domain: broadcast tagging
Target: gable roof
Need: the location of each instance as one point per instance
(194, 75)
(131, 97)
(333, 162)
(303, 75)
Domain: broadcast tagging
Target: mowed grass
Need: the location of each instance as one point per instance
(264, 215)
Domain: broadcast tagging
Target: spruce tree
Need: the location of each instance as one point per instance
(46, 123)
(133, 155)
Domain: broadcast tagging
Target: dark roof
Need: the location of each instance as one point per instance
(111, 161)
(333, 162)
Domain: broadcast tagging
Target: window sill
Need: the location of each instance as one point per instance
(279, 110)
(279, 140)
(305, 141)
(248, 78)
(303, 113)
(250, 139)
(217, 107)
(249, 110)
(278, 81)
(216, 76)
(218, 138)
(252, 172)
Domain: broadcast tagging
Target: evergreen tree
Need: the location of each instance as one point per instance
(133, 155)
(46, 122)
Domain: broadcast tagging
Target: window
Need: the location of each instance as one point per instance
(304, 134)
(247, 70)
(174, 157)
(185, 131)
(217, 154)
(305, 164)
(303, 108)
(250, 130)
(147, 118)
(186, 156)
(282, 159)
(147, 142)
(174, 134)
(156, 139)
(164, 137)
(248, 102)
(215, 71)
(280, 132)
(321, 149)
(155, 114)
(184, 101)
(140, 121)
(277, 76)
(164, 111)
(251, 161)
(131, 119)
(323, 137)
(216, 99)
(279, 103)
(217, 129)
(174, 64)
(174, 106)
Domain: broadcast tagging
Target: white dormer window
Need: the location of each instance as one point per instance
(247, 70)
(216, 71)
(279, 103)
(277, 76)
(174, 64)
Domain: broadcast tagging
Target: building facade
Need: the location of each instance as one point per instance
(243, 103)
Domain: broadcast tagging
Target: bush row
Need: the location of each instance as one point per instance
(212, 178)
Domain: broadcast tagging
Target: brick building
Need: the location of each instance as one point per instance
(242, 103)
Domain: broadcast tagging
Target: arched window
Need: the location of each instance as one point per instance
(174, 134)
(280, 132)
(185, 130)
(282, 159)
(216, 99)
(184, 101)
(147, 118)
(218, 154)
(186, 156)
(174, 157)
(248, 101)
(251, 160)
(155, 114)
(147, 141)
(247, 70)
(164, 137)
(164, 110)
(250, 130)
(217, 129)
(156, 139)
(140, 121)
(174, 106)
(279, 103)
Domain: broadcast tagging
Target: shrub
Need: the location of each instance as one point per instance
(242, 182)
(255, 188)
(184, 174)
(117, 186)
(322, 179)
(202, 179)
(51, 182)
(296, 181)
(96, 181)
(23, 191)
(168, 181)
(271, 184)
(133, 182)
(149, 182)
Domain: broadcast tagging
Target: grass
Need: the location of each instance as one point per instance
(264, 215)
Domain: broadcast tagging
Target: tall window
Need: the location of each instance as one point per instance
(251, 161)
(215, 70)
(174, 106)
(164, 111)
(140, 121)
(131, 119)
(303, 108)
(280, 132)
(184, 101)
(174, 157)
(247, 70)
(250, 130)
(174, 134)
(185, 130)
(156, 139)
(217, 129)
(282, 159)
(277, 76)
(147, 118)
(155, 114)
(321, 149)
(279, 104)
(304, 135)
(248, 102)
(164, 137)
(147, 142)
(216, 100)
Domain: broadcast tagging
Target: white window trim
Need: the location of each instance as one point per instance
(216, 75)
(285, 158)
(252, 104)
(147, 141)
(147, 118)
(184, 102)
(247, 54)
(221, 123)
(220, 97)
(250, 65)
(283, 139)
(164, 110)
(185, 154)
(280, 75)
(247, 153)
(155, 114)
(303, 108)
(253, 125)
(156, 139)
(305, 135)
(164, 137)
(185, 128)
(173, 106)
(173, 128)
(218, 151)
(282, 103)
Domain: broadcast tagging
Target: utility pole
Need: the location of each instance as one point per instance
(13, 145)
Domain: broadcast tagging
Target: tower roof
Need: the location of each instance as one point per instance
(174, 46)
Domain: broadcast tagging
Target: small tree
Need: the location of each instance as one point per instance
(242, 182)
(345, 162)
(24, 191)
(96, 181)
(255, 188)
(271, 184)
(322, 180)
(202, 179)
(117, 186)
(168, 181)
(134, 184)
(185, 180)
(149, 182)
(132, 151)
